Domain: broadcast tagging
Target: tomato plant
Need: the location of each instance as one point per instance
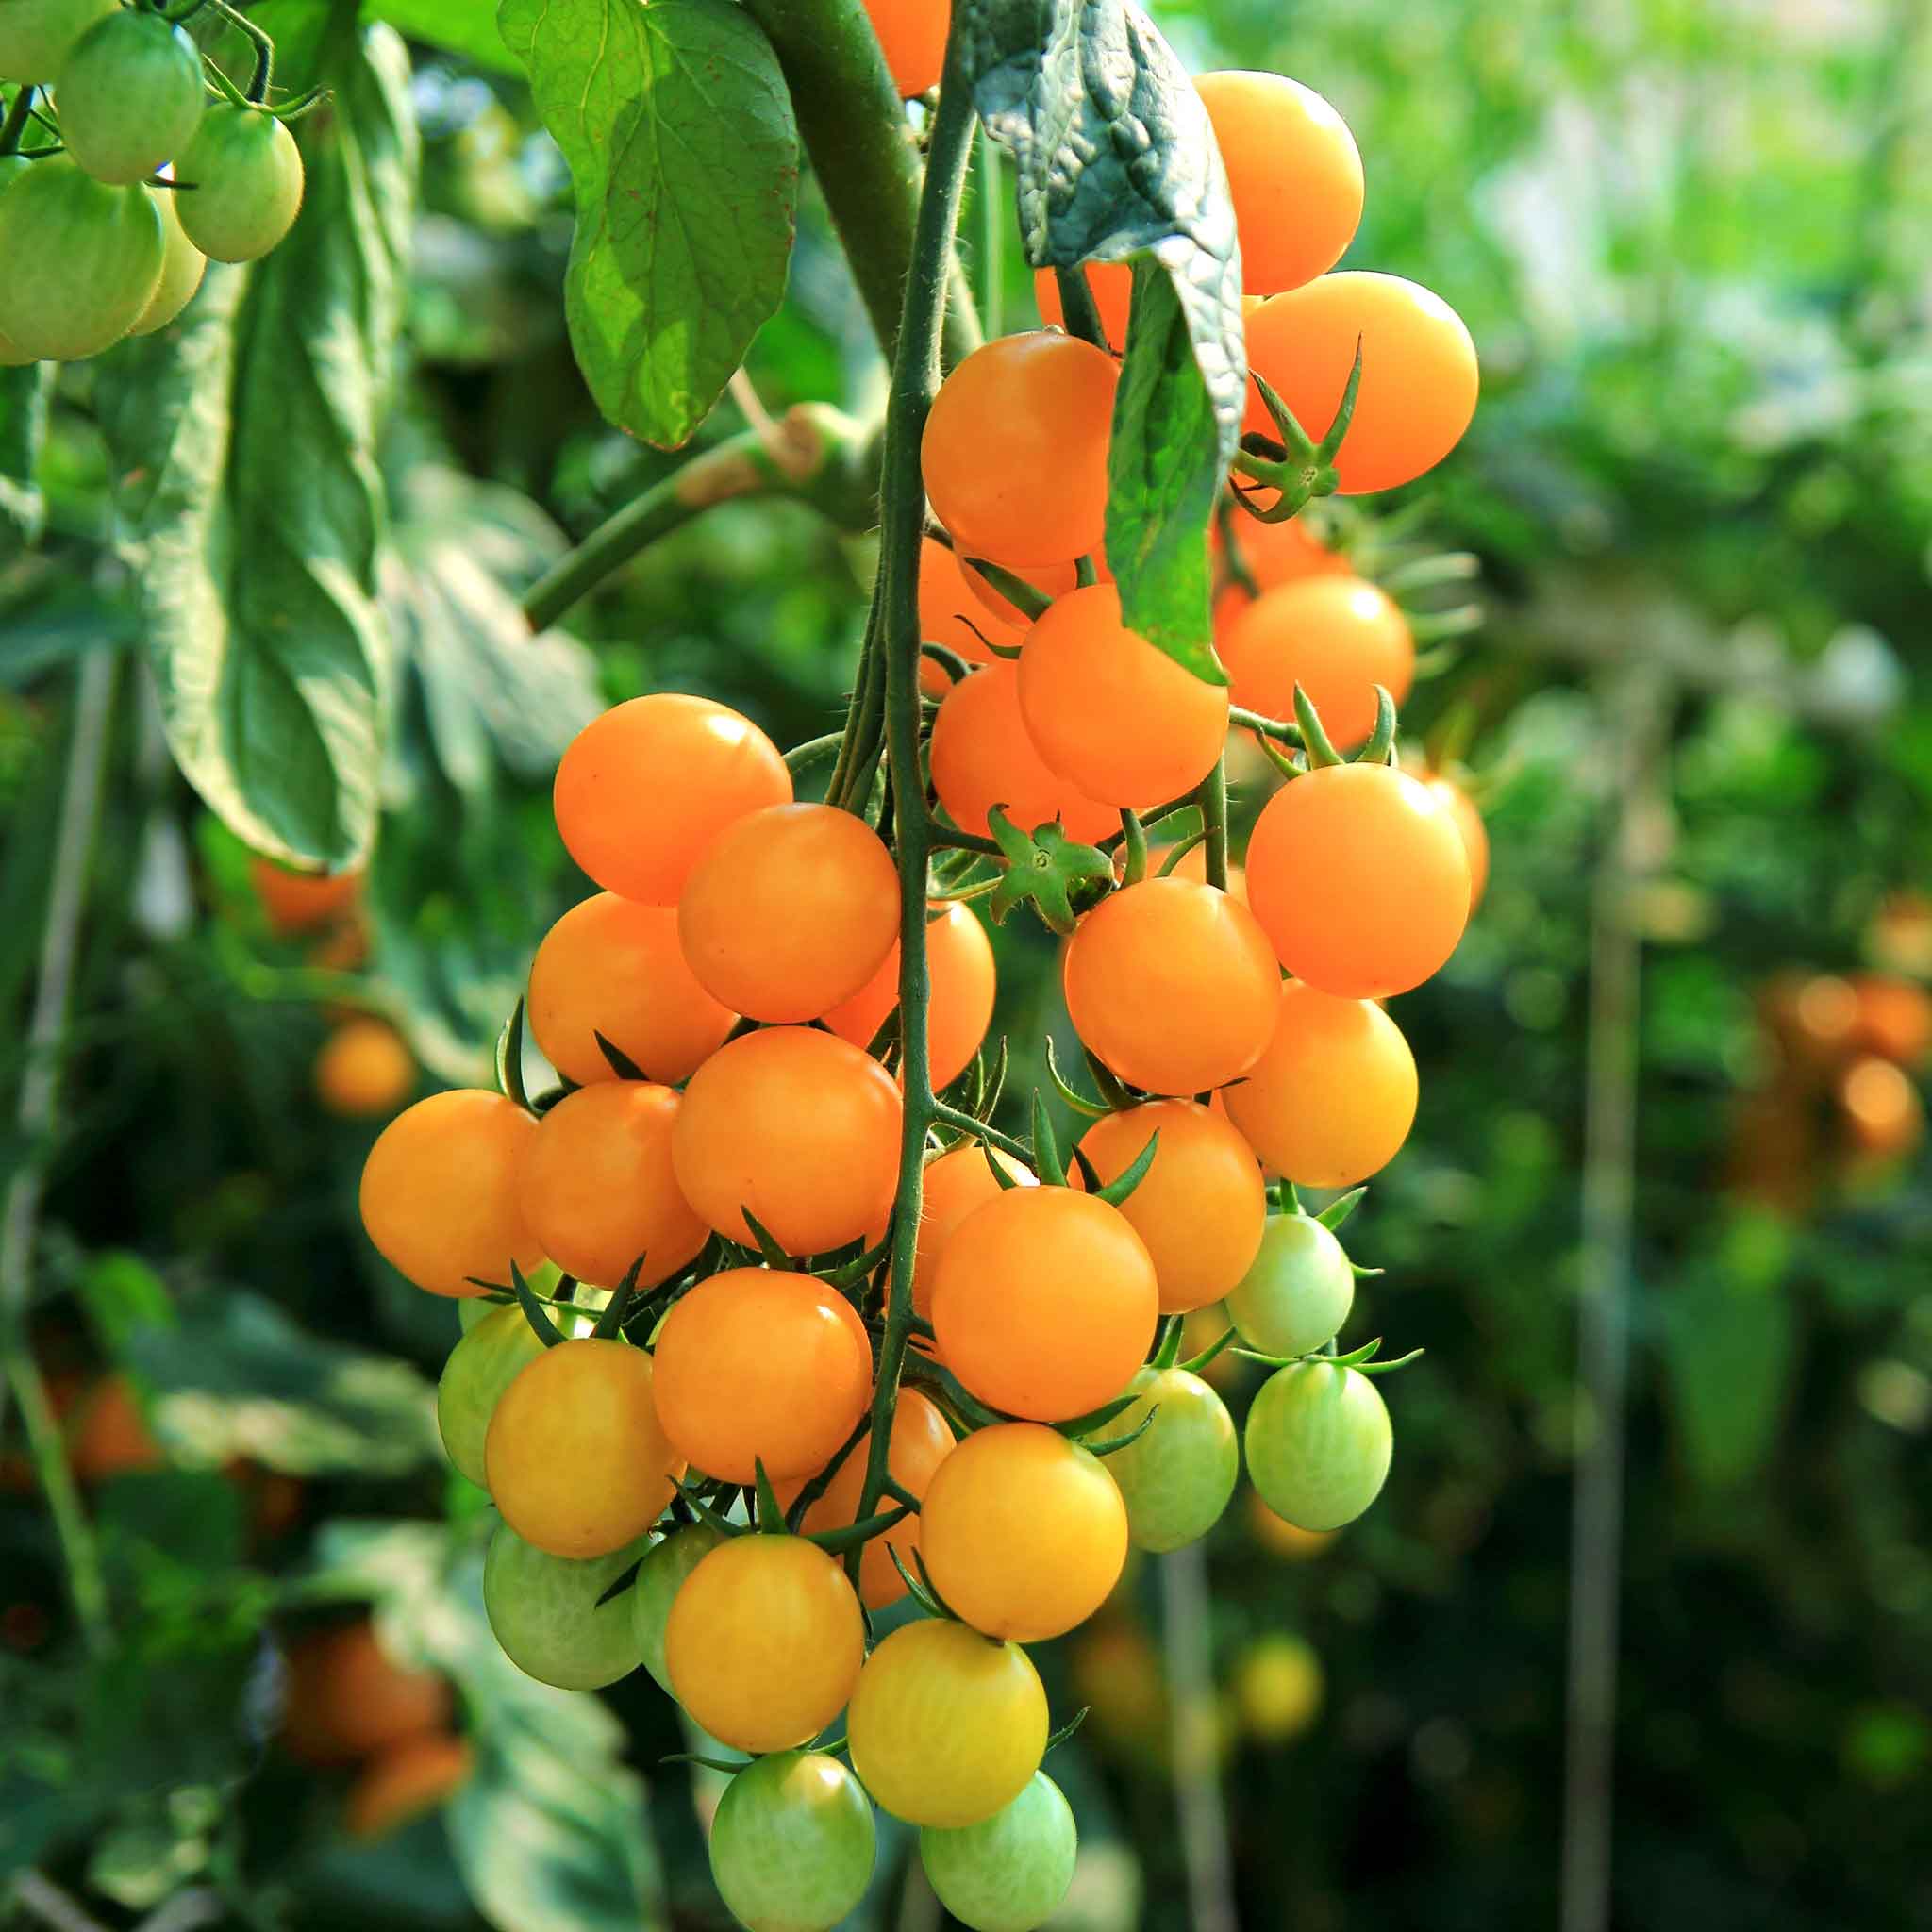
(1299, 1290)
(549, 1613)
(1335, 637)
(1318, 1444)
(130, 96)
(111, 247)
(1009, 1873)
(242, 182)
(793, 1843)
(1176, 1478)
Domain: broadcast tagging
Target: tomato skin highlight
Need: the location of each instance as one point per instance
(543, 1611)
(1202, 1206)
(1009, 1873)
(789, 911)
(1418, 391)
(963, 984)
(1177, 1479)
(1110, 714)
(1173, 984)
(642, 790)
(764, 1642)
(1295, 176)
(946, 1726)
(1332, 1100)
(1318, 1444)
(439, 1192)
(798, 1125)
(576, 1458)
(1336, 636)
(1044, 1303)
(598, 1190)
(793, 1843)
(755, 1365)
(983, 756)
(1014, 450)
(614, 967)
(1025, 1532)
(1361, 878)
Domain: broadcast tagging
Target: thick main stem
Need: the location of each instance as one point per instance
(901, 496)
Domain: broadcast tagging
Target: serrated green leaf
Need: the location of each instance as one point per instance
(683, 156)
(1116, 159)
(24, 395)
(257, 569)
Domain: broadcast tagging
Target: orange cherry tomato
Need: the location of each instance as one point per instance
(955, 612)
(1333, 1098)
(1359, 877)
(613, 967)
(946, 1726)
(302, 901)
(1112, 283)
(578, 1461)
(1883, 1112)
(1335, 637)
(764, 1642)
(1894, 1017)
(1051, 579)
(1293, 174)
(404, 1782)
(1192, 864)
(1109, 712)
(758, 1365)
(954, 1183)
(1014, 452)
(1200, 1208)
(1273, 555)
(1419, 373)
(1173, 984)
(347, 1699)
(364, 1069)
(959, 1008)
(922, 1439)
(983, 756)
(1044, 1303)
(438, 1195)
(1024, 1532)
(789, 910)
(1475, 837)
(643, 789)
(798, 1125)
(913, 35)
(598, 1190)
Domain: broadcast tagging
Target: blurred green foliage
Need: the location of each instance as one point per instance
(1689, 242)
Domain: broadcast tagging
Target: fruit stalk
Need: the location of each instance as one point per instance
(902, 495)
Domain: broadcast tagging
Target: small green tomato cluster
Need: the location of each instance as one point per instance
(99, 245)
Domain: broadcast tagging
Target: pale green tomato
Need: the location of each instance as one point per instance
(481, 1366)
(793, 1843)
(129, 97)
(546, 1613)
(1009, 1871)
(36, 35)
(242, 183)
(1298, 1293)
(83, 261)
(1319, 1444)
(658, 1583)
(182, 268)
(1176, 1480)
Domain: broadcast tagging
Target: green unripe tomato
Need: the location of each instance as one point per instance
(1176, 1480)
(658, 1582)
(1009, 1871)
(793, 1843)
(36, 35)
(480, 1367)
(129, 97)
(246, 176)
(546, 1613)
(1299, 1290)
(1319, 1444)
(83, 261)
(10, 166)
(182, 268)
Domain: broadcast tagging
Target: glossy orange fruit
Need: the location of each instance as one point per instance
(406, 1781)
(302, 901)
(364, 1069)
(347, 1698)
(912, 36)
(983, 756)
(643, 789)
(1336, 636)
(1112, 283)
(960, 965)
(1475, 837)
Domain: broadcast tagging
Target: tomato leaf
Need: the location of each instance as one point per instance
(1116, 159)
(22, 422)
(458, 27)
(247, 494)
(683, 155)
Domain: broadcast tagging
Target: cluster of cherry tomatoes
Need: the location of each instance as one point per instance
(684, 1468)
(99, 246)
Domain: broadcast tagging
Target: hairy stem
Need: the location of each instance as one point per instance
(915, 380)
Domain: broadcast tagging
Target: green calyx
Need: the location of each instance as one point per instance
(1061, 878)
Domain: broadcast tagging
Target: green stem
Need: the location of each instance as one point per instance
(816, 455)
(1214, 822)
(15, 123)
(915, 382)
(860, 148)
(264, 51)
(1078, 308)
